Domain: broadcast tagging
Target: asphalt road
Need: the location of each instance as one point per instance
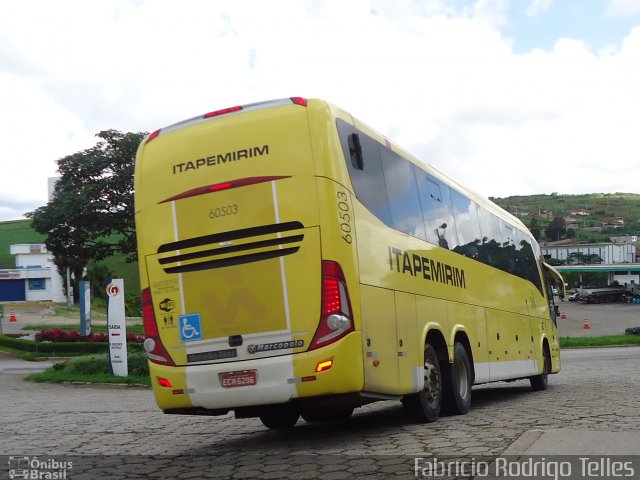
(603, 319)
(117, 432)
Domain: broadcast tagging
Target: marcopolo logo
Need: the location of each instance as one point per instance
(36, 468)
(267, 347)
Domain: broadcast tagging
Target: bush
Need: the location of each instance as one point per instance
(88, 365)
(132, 305)
(99, 364)
(138, 364)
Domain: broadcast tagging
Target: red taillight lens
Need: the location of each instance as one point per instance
(299, 101)
(153, 346)
(331, 301)
(217, 187)
(220, 186)
(163, 382)
(336, 319)
(222, 111)
(152, 136)
(148, 315)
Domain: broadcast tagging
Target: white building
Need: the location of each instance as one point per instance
(624, 239)
(609, 253)
(35, 277)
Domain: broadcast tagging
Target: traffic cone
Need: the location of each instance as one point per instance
(12, 316)
(563, 316)
(586, 325)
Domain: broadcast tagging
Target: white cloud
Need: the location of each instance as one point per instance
(438, 78)
(623, 7)
(536, 7)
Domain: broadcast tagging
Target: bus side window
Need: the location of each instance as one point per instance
(508, 248)
(466, 217)
(368, 182)
(490, 249)
(527, 263)
(404, 202)
(436, 211)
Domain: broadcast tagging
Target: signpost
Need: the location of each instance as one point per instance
(85, 308)
(117, 328)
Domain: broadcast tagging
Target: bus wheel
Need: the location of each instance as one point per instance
(540, 382)
(457, 379)
(280, 420)
(328, 415)
(424, 406)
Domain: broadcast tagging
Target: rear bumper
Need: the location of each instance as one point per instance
(280, 379)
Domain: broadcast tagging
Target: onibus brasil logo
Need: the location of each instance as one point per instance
(35, 468)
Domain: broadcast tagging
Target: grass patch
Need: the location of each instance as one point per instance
(606, 341)
(16, 232)
(95, 369)
(61, 310)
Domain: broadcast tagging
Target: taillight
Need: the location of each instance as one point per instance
(299, 101)
(152, 136)
(336, 319)
(222, 111)
(152, 344)
(217, 187)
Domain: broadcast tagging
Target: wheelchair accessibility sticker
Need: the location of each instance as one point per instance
(190, 327)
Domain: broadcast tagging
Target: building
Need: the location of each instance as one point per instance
(614, 222)
(609, 253)
(624, 239)
(580, 212)
(35, 277)
(627, 275)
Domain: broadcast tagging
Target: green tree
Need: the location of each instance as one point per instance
(556, 229)
(91, 213)
(579, 258)
(534, 228)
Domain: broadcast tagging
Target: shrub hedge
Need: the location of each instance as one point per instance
(62, 347)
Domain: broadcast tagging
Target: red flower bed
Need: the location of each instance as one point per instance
(60, 335)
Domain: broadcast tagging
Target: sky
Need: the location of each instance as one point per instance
(508, 97)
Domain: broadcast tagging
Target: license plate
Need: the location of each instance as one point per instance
(238, 379)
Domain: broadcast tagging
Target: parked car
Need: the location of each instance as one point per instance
(632, 331)
(574, 297)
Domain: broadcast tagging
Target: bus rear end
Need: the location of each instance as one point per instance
(241, 309)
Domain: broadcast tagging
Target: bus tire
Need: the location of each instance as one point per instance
(280, 420)
(424, 406)
(540, 382)
(328, 415)
(457, 382)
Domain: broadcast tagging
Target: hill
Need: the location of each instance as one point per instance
(597, 215)
(20, 231)
(14, 232)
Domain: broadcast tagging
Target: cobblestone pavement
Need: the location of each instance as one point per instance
(121, 434)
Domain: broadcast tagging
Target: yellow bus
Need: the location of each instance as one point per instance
(294, 262)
